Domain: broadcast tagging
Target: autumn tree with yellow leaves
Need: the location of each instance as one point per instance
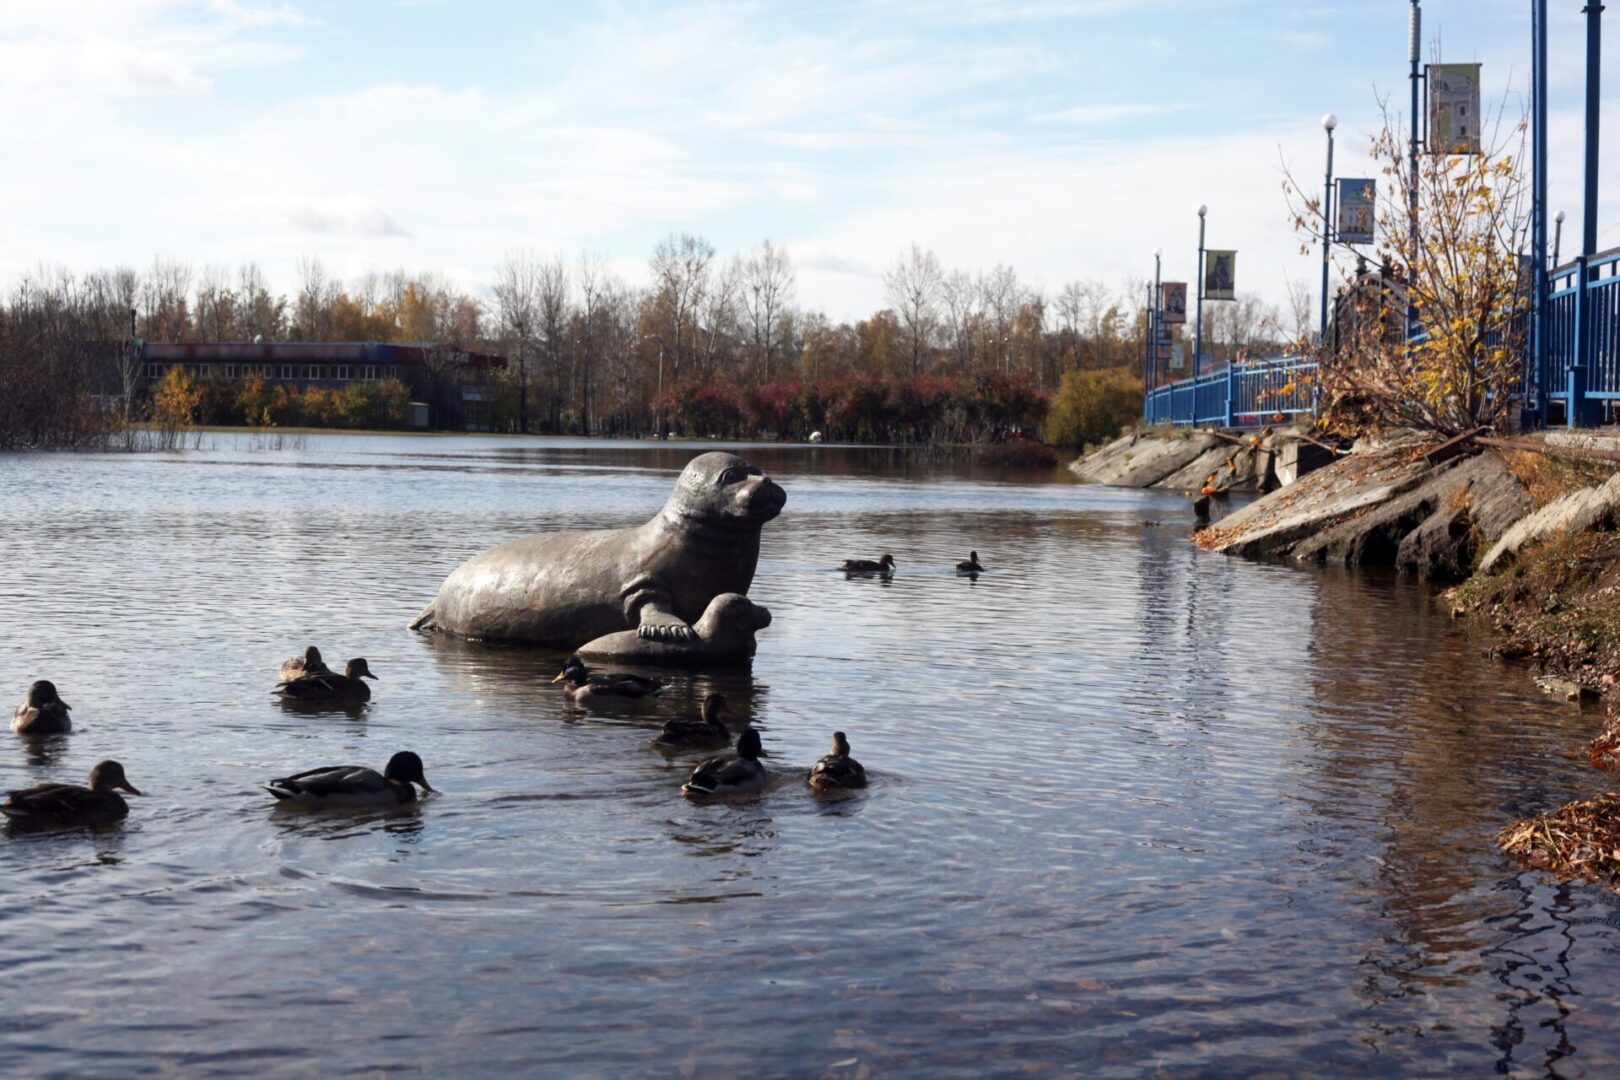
(1462, 279)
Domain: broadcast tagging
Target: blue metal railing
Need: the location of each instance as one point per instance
(1255, 394)
(1243, 395)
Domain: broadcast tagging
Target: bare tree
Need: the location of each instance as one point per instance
(959, 301)
(517, 312)
(680, 269)
(594, 287)
(164, 303)
(316, 291)
(1001, 298)
(767, 294)
(912, 285)
(719, 312)
(553, 296)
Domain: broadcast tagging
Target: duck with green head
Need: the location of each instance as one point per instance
(344, 786)
(585, 688)
(732, 774)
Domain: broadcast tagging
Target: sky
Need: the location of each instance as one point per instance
(1068, 139)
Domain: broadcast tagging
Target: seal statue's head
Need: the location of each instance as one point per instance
(721, 488)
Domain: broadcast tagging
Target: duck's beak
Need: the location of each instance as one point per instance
(764, 752)
(425, 785)
(561, 675)
(129, 787)
(64, 704)
(368, 675)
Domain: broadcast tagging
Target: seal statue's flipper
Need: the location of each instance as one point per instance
(423, 621)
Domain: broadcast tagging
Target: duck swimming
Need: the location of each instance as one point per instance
(42, 712)
(70, 804)
(582, 687)
(837, 771)
(708, 733)
(329, 686)
(885, 565)
(308, 664)
(733, 774)
(353, 785)
(971, 566)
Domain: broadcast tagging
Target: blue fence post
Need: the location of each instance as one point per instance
(1579, 411)
(1231, 389)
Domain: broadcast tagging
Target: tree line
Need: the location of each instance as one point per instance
(710, 342)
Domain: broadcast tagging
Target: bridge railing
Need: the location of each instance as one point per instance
(1241, 395)
(1249, 395)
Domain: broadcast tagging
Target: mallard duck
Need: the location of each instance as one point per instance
(353, 785)
(971, 566)
(329, 686)
(308, 664)
(708, 733)
(885, 565)
(837, 771)
(733, 774)
(42, 712)
(69, 804)
(583, 687)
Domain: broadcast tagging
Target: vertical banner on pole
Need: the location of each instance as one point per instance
(1174, 302)
(1453, 108)
(1358, 211)
(1220, 275)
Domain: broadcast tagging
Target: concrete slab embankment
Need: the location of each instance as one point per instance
(1183, 460)
(1144, 460)
(1391, 507)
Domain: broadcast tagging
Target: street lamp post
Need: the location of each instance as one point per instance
(1329, 122)
(1558, 236)
(1414, 52)
(1198, 316)
(1580, 369)
(1536, 368)
(658, 396)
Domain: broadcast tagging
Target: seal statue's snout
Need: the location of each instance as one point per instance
(764, 498)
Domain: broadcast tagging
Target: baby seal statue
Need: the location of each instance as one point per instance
(724, 634)
(567, 588)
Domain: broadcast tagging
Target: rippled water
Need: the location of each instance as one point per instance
(1135, 809)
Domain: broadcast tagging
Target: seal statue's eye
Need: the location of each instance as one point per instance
(732, 475)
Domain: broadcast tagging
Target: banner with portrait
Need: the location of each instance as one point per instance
(1453, 108)
(1220, 275)
(1173, 302)
(1358, 212)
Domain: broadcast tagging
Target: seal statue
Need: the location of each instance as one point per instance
(724, 633)
(567, 588)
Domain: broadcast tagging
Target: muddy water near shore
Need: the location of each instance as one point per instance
(1135, 808)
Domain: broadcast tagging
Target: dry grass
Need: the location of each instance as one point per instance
(1581, 839)
(1546, 477)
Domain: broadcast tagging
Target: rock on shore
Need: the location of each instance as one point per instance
(1391, 507)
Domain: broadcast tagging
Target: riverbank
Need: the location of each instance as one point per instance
(1524, 532)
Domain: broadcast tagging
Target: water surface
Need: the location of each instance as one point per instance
(1136, 809)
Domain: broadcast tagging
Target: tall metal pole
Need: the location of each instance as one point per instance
(1198, 318)
(1558, 237)
(1329, 122)
(1538, 212)
(1157, 302)
(1581, 370)
(1414, 54)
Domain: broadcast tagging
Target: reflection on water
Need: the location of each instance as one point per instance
(1134, 809)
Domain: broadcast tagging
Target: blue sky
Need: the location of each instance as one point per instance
(1066, 138)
